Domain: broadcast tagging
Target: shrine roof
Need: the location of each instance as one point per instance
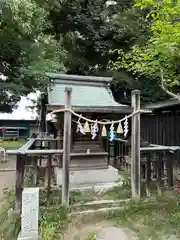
(89, 94)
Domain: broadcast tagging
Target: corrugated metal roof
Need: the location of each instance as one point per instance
(77, 78)
(90, 94)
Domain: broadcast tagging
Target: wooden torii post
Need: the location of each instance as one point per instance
(135, 147)
(66, 147)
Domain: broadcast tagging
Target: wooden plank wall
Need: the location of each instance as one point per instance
(163, 128)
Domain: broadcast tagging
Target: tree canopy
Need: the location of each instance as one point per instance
(91, 30)
(27, 51)
(91, 37)
(161, 53)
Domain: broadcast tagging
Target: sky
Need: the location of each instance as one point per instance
(22, 112)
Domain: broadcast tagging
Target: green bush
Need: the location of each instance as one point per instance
(9, 225)
(52, 223)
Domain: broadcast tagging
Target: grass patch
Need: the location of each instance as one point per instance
(52, 223)
(11, 144)
(155, 219)
(151, 220)
(122, 191)
(91, 236)
(77, 196)
(9, 226)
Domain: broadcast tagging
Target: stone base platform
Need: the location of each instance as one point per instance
(28, 237)
(99, 178)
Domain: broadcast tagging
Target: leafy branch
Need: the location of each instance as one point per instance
(171, 94)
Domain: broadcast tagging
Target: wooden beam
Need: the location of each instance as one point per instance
(35, 170)
(68, 77)
(135, 146)
(95, 109)
(20, 162)
(170, 169)
(49, 175)
(59, 142)
(35, 152)
(66, 147)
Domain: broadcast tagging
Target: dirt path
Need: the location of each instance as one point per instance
(7, 179)
(101, 230)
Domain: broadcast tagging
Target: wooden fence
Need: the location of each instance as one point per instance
(43, 155)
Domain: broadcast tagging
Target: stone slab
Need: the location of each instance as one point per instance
(30, 237)
(91, 178)
(29, 214)
(98, 188)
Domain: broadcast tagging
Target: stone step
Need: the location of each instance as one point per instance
(95, 205)
(96, 211)
(86, 147)
(89, 177)
(89, 162)
(95, 147)
(86, 142)
(80, 150)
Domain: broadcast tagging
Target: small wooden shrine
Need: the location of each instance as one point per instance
(91, 97)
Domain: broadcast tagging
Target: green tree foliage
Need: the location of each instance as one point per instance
(91, 30)
(27, 51)
(161, 53)
(34, 31)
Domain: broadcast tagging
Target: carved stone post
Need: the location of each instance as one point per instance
(29, 214)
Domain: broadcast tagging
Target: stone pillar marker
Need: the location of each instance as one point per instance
(29, 214)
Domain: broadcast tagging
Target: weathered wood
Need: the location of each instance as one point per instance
(35, 171)
(89, 154)
(77, 78)
(66, 147)
(135, 147)
(148, 174)
(154, 180)
(59, 137)
(170, 169)
(7, 170)
(40, 159)
(28, 144)
(20, 160)
(160, 148)
(159, 174)
(46, 139)
(49, 175)
(36, 152)
(93, 110)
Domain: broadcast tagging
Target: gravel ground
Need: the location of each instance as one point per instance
(103, 230)
(7, 179)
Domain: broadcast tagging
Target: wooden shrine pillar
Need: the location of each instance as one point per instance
(59, 137)
(135, 146)
(66, 147)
